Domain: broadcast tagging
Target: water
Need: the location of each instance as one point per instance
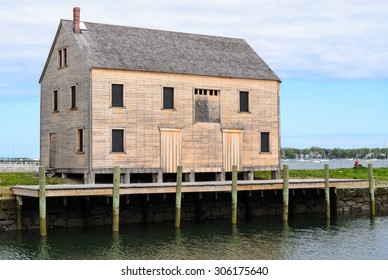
(306, 237)
(333, 164)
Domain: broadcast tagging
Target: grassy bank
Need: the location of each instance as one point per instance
(361, 172)
(380, 174)
(20, 178)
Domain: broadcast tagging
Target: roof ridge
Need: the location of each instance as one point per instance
(158, 30)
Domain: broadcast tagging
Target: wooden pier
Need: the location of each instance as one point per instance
(187, 187)
(116, 190)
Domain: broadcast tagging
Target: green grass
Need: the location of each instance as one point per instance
(361, 172)
(20, 178)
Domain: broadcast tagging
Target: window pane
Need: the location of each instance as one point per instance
(55, 108)
(73, 97)
(60, 58)
(64, 57)
(265, 142)
(117, 95)
(244, 101)
(168, 98)
(117, 140)
(80, 138)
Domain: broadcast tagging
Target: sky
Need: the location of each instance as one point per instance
(332, 58)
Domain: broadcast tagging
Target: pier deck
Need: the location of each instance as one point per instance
(187, 187)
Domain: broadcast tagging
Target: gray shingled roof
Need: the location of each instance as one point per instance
(129, 48)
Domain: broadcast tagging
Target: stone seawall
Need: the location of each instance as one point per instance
(357, 200)
(19, 167)
(96, 211)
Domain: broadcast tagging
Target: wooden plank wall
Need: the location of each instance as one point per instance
(170, 149)
(202, 143)
(232, 146)
(66, 121)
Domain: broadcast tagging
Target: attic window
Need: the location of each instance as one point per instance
(62, 58)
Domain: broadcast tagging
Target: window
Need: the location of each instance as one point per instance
(117, 140)
(264, 142)
(117, 95)
(207, 105)
(80, 140)
(55, 101)
(244, 101)
(168, 98)
(62, 57)
(73, 97)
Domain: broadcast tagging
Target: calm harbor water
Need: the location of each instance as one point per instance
(333, 164)
(346, 237)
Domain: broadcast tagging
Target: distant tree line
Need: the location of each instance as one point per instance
(336, 153)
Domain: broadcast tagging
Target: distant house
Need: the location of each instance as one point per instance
(149, 100)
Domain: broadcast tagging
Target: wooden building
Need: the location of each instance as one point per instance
(149, 100)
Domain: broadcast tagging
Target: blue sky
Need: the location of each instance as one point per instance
(331, 55)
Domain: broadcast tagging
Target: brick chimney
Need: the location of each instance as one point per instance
(76, 20)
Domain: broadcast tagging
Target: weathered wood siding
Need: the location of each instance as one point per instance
(231, 149)
(202, 143)
(66, 121)
(170, 149)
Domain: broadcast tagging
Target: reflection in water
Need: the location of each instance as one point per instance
(43, 250)
(303, 237)
(116, 245)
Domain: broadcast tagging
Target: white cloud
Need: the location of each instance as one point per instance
(333, 38)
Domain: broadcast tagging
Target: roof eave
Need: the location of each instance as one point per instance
(181, 73)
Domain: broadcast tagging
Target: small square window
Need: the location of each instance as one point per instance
(117, 95)
(168, 98)
(117, 140)
(244, 101)
(264, 137)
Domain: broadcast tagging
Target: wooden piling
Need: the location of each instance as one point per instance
(371, 190)
(116, 199)
(234, 194)
(285, 192)
(198, 208)
(42, 201)
(88, 217)
(178, 197)
(327, 190)
(148, 214)
(19, 210)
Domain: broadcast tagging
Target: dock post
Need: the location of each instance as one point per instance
(371, 190)
(285, 192)
(234, 194)
(19, 210)
(178, 197)
(88, 218)
(42, 201)
(327, 191)
(116, 199)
